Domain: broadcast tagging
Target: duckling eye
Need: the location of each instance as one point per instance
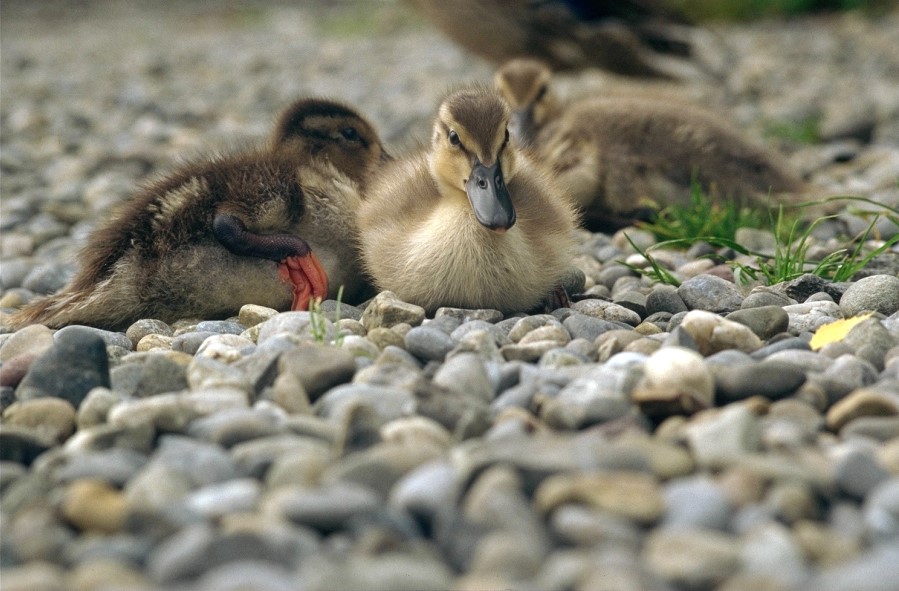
(541, 93)
(506, 140)
(454, 138)
(350, 134)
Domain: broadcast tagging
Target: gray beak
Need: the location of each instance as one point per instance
(489, 197)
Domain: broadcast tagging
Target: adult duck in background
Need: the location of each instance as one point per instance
(470, 223)
(630, 37)
(273, 226)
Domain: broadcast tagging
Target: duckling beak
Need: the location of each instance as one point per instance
(489, 197)
(521, 126)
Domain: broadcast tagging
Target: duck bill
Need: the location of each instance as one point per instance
(490, 198)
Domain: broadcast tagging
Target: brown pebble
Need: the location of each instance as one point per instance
(14, 369)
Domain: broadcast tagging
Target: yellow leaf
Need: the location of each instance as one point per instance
(834, 332)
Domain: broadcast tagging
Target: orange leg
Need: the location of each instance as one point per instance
(308, 277)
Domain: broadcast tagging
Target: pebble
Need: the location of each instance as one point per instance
(692, 557)
(429, 344)
(70, 369)
(765, 321)
(879, 293)
(771, 379)
(710, 293)
(632, 495)
(724, 434)
(51, 417)
(386, 310)
(675, 381)
(713, 333)
(94, 506)
(318, 368)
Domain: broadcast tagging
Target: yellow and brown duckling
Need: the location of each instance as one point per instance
(274, 227)
(621, 158)
(631, 37)
(470, 223)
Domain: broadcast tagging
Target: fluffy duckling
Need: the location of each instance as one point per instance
(471, 223)
(631, 37)
(622, 157)
(274, 227)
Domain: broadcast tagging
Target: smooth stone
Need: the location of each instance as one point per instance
(633, 495)
(771, 551)
(173, 412)
(110, 338)
(255, 456)
(386, 310)
(879, 293)
(692, 558)
(35, 340)
(675, 381)
(765, 296)
(230, 427)
(772, 379)
(34, 576)
(190, 342)
(70, 369)
(325, 508)
(47, 279)
(245, 575)
(13, 370)
(52, 417)
(145, 327)
(205, 373)
(881, 510)
(22, 444)
(874, 570)
(139, 438)
(582, 326)
(298, 325)
(318, 368)
(781, 345)
(95, 407)
(696, 501)
(106, 573)
(634, 301)
(232, 496)
(551, 332)
(199, 548)
(664, 298)
(335, 311)
(157, 374)
(467, 375)
(153, 342)
(870, 340)
(713, 333)
(720, 435)
(427, 489)
(858, 472)
(389, 403)
(226, 347)
(499, 337)
(881, 429)
(94, 506)
(427, 343)
(250, 314)
(600, 396)
(604, 310)
(585, 526)
(710, 293)
(765, 321)
(864, 402)
(380, 465)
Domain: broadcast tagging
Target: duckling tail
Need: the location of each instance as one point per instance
(87, 307)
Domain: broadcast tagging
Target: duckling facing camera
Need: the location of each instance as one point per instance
(472, 222)
(624, 157)
(273, 226)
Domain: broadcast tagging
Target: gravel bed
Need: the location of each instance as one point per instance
(646, 438)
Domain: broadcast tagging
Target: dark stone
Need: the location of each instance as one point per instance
(22, 445)
(765, 321)
(318, 368)
(581, 326)
(70, 369)
(771, 379)
(802, 287)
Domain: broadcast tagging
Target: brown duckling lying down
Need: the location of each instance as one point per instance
(273, 226)
(472, 222)
(623, 157)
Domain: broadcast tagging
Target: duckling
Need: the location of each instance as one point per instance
(271, 226)
(470, 223)
(633, 37)
(623, 157)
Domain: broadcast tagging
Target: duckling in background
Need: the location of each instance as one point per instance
(274, 227)
(471, 223)
(631, 37)
(622, 158)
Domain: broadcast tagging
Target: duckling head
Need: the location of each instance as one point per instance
(524, 84)
(471, 156)
(334, 131)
